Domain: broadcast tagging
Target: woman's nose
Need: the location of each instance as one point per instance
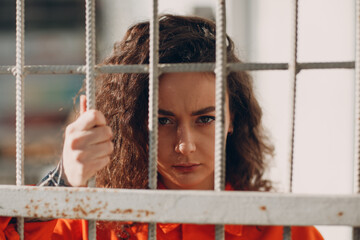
(185, 143)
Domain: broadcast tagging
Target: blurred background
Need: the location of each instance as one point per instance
(55, 34)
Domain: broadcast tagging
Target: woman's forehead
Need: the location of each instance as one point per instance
(187, 90)
(184, 78)
(188, 82)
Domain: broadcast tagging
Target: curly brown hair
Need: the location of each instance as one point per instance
(123, 98)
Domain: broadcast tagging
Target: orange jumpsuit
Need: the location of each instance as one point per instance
(77, 230)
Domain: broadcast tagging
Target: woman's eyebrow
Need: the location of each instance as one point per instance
(165, 112)
(195, 113)
(203, 111)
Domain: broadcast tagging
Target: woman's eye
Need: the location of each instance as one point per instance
(164, 121)
(206, 119)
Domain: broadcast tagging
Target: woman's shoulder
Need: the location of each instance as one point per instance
(33, 229)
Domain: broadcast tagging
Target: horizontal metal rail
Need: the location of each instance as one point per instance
(181, 67)
(203, 207)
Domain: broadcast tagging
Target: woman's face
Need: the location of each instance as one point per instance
(187, 130)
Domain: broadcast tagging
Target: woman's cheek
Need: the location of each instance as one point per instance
(164, 143)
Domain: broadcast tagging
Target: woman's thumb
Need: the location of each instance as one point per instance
(82, 104)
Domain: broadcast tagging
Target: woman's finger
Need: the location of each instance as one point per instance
(99, 164)
(93, 152)
(86, 121)
(79, 140)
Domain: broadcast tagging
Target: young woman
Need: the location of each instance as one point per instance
(112, 141)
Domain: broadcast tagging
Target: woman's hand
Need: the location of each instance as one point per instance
(87, 146)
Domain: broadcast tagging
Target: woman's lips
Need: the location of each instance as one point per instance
(186, 167)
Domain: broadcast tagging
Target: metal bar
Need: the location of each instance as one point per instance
(287, 233)
(56, 69)
(233, 67)
(181, 67)
(153, 105)
(143, 68)
(293, 71)
(357, 104)
(203, 207)
(20, 103)
(153, 96)
(220, 93)
(325, 65)
(356, 176)
(20, 109)
(90, 53)
(90, 45)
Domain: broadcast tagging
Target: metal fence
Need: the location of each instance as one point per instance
(217, 207)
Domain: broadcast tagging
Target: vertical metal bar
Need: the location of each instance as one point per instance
(356, 230)
(153, 104)
(220, 92)
(286, 233)
(90, 53)
(90, 45)
(293, 71)
(20, 108)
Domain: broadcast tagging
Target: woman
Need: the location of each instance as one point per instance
(112, 141)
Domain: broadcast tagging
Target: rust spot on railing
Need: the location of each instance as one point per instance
(139, 213)
(119, 211)
(83, 208)
(94, 210)
(147, 213)
(128, 211)
(263, 208)
(340, 214)
(80, 209)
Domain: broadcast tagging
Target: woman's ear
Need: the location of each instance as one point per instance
(231, 130)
